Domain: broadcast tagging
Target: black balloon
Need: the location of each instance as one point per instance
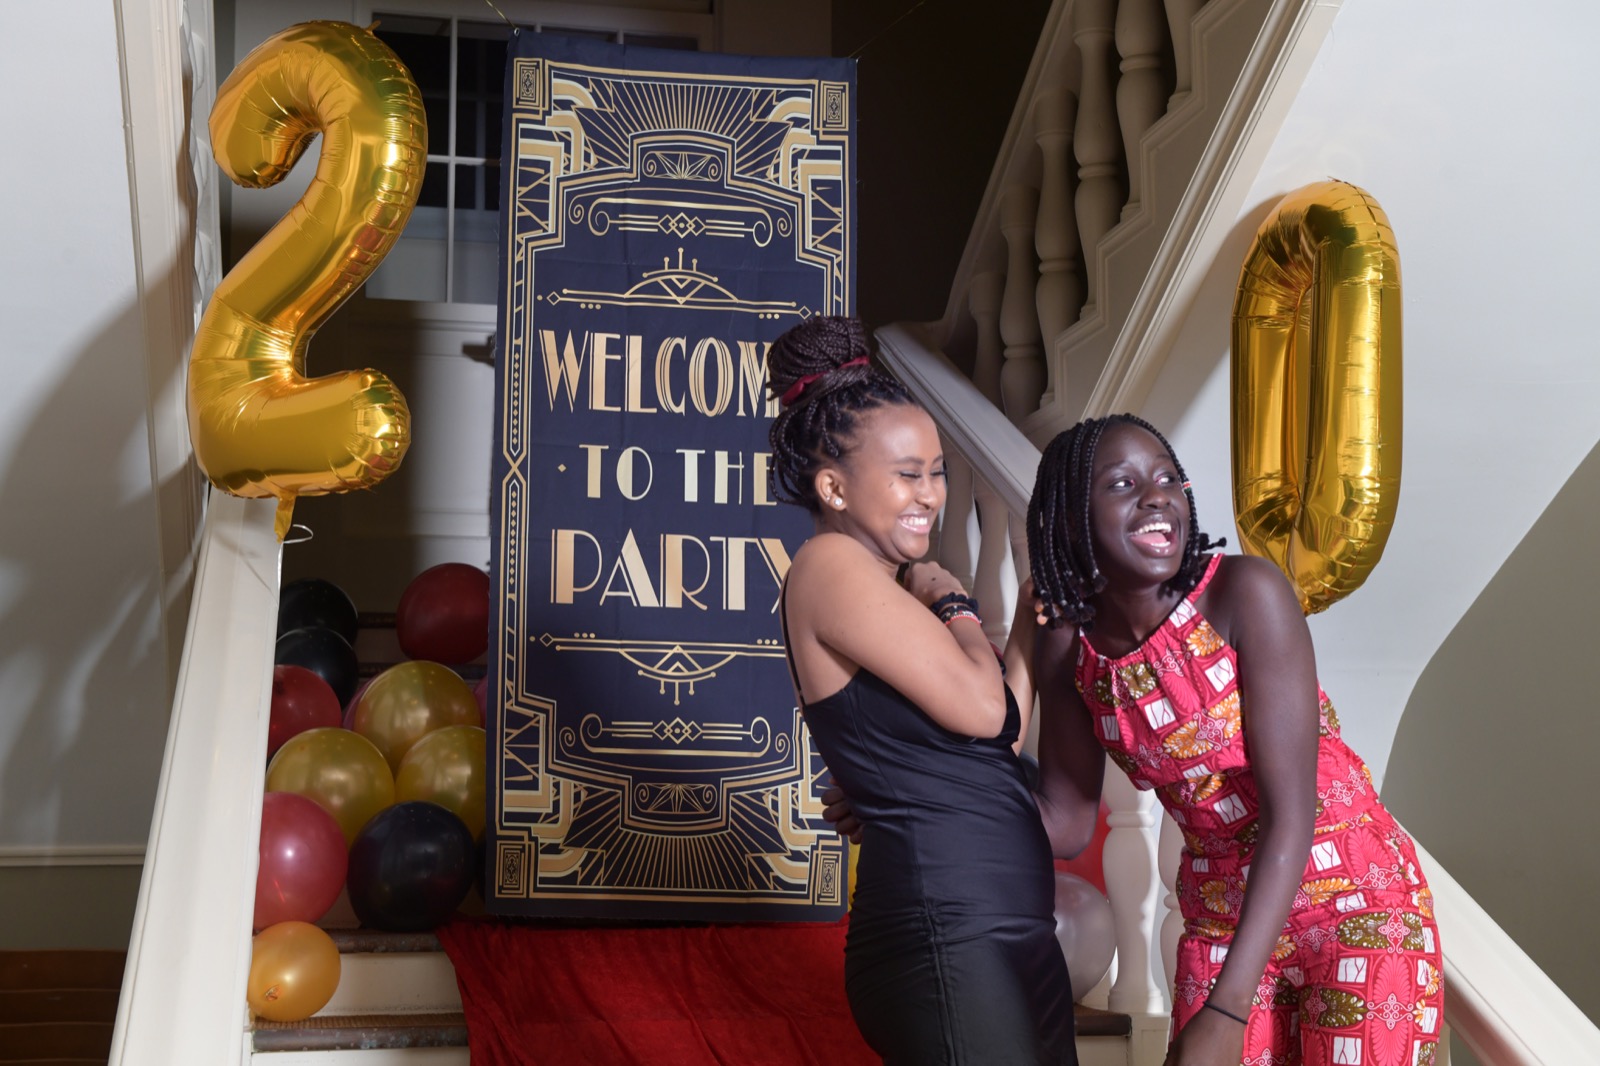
(323, 652)
(312, 603)
(410, 867)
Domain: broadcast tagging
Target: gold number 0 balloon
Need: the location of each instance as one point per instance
(259, 427)
(1316, 390)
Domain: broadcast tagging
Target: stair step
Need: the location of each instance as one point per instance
(365, 1032)
(24, 1041)
(58, 1005)
(67, 968)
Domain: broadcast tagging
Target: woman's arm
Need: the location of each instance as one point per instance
(1072, 764)
(844, 600)
(1018, 658)
(1278, 704)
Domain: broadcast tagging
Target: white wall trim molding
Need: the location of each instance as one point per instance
(1279, 59)
(167, 88)
(54, 855)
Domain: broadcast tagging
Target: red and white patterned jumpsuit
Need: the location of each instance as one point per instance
(1357, 975)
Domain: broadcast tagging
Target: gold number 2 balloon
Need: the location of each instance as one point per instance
(259, 426)
(1316, 390)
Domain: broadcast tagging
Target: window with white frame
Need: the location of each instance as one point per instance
(449, 252)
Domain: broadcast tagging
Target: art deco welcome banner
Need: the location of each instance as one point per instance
(666, 215)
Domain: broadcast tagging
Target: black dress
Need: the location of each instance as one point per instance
(951, 955)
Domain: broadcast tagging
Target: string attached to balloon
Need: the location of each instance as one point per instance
(1316, 390)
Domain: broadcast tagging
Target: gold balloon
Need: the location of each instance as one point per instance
(446, 767)
(294, 971)
(1316, 390)
(407, 702)
(341, 771)
(259, 427)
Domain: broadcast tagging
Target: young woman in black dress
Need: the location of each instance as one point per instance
(951, 955)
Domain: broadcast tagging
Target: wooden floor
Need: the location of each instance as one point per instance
(58, 1007)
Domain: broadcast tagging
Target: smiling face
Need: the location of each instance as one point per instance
(1138, 513)
(887, 492)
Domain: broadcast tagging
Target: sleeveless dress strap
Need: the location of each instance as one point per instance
(788, 650)
(1205, 578)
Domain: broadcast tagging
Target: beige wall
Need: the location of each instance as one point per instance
(84, 682)
(1494, 757)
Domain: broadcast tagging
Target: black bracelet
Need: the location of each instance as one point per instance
(951, 600)
(1225, 1013)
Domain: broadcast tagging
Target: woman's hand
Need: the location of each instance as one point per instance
(840, 814)
(930, 582)
(1210, 1039)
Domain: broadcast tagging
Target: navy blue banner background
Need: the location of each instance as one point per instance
(665, 216)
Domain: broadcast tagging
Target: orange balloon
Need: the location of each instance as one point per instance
(342, 771)
(446, 767)
(407, 702)
(294, 970)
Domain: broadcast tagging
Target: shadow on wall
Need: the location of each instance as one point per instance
(82, 661)
(1494, 758)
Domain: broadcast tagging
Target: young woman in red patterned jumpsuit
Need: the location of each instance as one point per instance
(1308, 927)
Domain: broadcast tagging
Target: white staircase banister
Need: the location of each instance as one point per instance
(1497, 1000)
(973, 426)
(183, 991)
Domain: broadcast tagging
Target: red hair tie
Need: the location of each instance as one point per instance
(788, 399)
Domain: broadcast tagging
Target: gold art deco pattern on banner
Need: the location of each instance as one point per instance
(668, 215)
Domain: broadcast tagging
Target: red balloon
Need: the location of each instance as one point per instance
(480, 692)
(444, 614)
(1087, 863)
(304, 860)
(301, 700)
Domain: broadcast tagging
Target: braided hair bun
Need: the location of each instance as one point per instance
(820, 373)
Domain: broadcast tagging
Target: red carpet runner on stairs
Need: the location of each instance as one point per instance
(732, 995)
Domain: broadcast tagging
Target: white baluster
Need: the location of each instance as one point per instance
(1060, 292)
(1096, 137)
(993, 583)
(958, 527)
(1141, 91)
(1023, 375)
(1180, 21)
(1169, 852)
(1129, 862)
(983, 300)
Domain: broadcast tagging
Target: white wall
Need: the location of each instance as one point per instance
(84, 689)
(1465, 123)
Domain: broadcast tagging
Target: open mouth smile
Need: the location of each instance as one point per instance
(1156, 536)
(917, 523)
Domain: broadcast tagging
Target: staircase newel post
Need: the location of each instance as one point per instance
(1129, 862)
(1096, 138)
(1141, 91)
(1060, 292)
(1022, 378)
(1180, 23)
(993, 582)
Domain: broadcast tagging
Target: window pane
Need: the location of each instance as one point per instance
(477, 189)
(434, 187)
(423, 45)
